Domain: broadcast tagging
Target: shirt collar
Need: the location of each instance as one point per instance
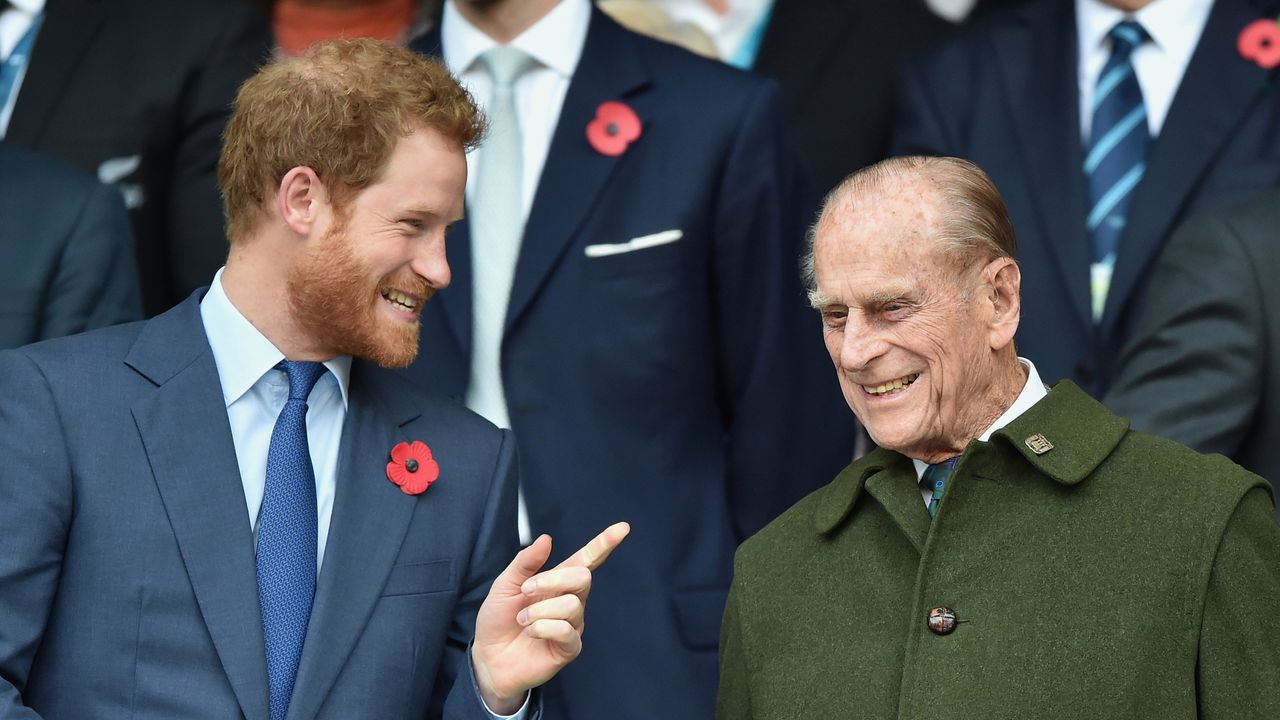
(1033, 391)
(30, 7)
(243, 354)
(555, 41)
(1166, 21)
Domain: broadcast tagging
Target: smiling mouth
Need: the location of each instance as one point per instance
(402, 301)
(891, 387)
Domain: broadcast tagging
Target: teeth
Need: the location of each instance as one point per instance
(401, 299)
(892, 385)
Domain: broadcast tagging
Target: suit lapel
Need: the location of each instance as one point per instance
(65, 33)
(1215, 95)
(187, 438)
(609, 69)
(1045, 102)
(370, 518)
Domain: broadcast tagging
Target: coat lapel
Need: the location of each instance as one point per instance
(187, 438)
(370, 518)
(574, 174)
(65, 33)
(1216, 93)
(1045, 102)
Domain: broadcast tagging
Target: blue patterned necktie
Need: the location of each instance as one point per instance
(1117, 157)
(287, 538)
(936, 477)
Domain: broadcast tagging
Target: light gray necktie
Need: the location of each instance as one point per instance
(497, 225)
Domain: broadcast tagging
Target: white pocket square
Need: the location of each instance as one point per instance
(640, 243)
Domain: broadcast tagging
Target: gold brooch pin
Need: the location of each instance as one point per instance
(1039, 444)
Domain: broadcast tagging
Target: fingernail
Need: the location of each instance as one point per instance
(522, 617)
(529, 587)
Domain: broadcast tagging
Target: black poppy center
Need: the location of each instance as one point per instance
(411, 465)
(611, 128)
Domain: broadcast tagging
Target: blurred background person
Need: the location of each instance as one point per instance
(299, 24)
(1203, 366)
(1104, 124)
(136, 92)
(66, 254)
(837, 61)
(626, 297)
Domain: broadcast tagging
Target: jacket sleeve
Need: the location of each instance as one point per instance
(733, 700)
(1238, 669)
(496, 544)
(35, 515)
(789, 430)
(96, 282)
(1192, 370)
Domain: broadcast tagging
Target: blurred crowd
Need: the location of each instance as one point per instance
(625, 289)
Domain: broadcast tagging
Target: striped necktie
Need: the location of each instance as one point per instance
(1117, 157)
(936, 478)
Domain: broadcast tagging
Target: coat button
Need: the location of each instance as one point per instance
(942, 620)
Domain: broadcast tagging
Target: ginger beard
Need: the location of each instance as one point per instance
(334, 297)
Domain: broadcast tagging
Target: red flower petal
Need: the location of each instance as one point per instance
(415, 455)
(614, 128)
(1260, 42)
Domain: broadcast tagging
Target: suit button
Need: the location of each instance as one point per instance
(942, 620)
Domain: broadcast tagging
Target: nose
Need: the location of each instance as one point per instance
(432, 264)
(859, 346)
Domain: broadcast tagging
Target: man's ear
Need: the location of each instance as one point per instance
(1003, 286)
(302, 199)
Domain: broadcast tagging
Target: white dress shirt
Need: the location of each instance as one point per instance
(1033, 391)
(555, 43)
(255, 393)
(1174, 27)
(14, 24)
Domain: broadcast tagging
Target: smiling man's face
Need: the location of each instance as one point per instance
(903, 322)
(360, 288)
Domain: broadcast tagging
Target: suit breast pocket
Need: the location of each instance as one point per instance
(653, 253)
(419, 578)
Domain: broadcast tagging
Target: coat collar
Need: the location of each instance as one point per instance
(1080, 430)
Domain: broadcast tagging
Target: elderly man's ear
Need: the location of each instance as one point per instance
(1003, 287)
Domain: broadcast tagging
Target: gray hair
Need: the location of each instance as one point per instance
(976, 226)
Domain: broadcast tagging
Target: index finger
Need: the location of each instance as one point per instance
(593, 554)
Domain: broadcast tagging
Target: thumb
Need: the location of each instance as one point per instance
(525, 565)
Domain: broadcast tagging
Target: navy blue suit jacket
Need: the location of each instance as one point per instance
(127, 581)
(66, 252)
(1004, 94)
(681, 387)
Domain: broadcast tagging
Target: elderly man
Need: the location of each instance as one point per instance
(234, 510)
(1007, 551)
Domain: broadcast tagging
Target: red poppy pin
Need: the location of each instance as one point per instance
(616, 126)
(1260, 42)
(412, 468)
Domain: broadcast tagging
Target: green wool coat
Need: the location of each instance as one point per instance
(1116, 575)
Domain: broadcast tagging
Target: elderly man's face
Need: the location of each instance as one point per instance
(905, 327)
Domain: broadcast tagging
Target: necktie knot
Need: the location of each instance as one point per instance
(506, 64)
(1126, 36)
(303, 377)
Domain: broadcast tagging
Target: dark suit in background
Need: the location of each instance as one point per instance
(1203, 365)
(1004, 94)
(838, 63)
(127, 581)
(66, 255)
(137, 93)
(682, 387)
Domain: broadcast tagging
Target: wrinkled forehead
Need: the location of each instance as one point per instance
(897, 220)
